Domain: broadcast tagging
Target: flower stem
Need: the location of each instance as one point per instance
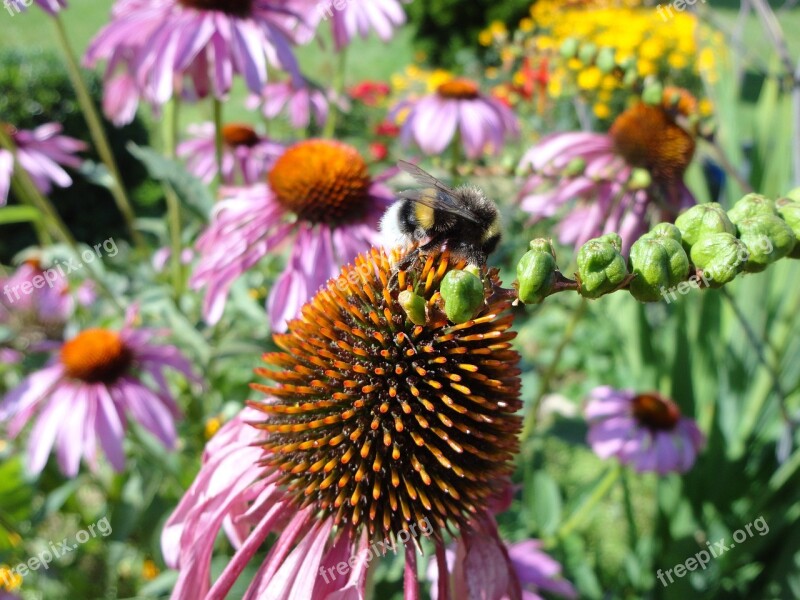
(98, 134)
(173, 202)
(582, 512)
(455, 156)
(218, 139)
(337, 89)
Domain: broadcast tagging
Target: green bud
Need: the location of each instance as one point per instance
(750, 206)
(605, 60)
(703, 220)
(462, 293)
(587, 52)
(569, 47)
(653, 92)
(666, 230)
(789, 211)
(536, 272)
(658, 263)
(575, 167)
(768, 238)
(631, 77)
(601, 268)
(721, 257)
(640, 179)
(794, 194)
(413, 305)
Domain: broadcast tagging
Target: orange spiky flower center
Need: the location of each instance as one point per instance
(382, 424)
(95, 356)
(239, 134)
(321, 181)
(459, 89)
(656, 412)
(649, 136)
(235, 8)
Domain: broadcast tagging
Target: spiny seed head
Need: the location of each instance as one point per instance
(239, 134)
(95, 356)
(382, 423)
(459, 89)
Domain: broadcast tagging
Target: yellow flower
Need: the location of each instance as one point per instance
(590, 78)
(705, 107)
(150, 570)
(609, 82)
(575, 64)
(437, 78)
(492, 72)
(9, 580)
(602, 110)
(645, 67)
(676, 60)
(212, 427)
(498, 29)
(485, 38)
(554, 86)
(526, 25)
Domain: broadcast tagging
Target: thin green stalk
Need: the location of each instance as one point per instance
(633, 530)
(219, 142)
(547, 380)
(98, 133)
(173, 202)
(338, 88)
(582, 512)
(38, 226)
(455, 156)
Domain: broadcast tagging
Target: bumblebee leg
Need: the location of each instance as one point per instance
(402, 265)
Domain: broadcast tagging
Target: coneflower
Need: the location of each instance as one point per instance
(373, 428)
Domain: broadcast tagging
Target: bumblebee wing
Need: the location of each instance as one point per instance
(438, 200)
(424, 177)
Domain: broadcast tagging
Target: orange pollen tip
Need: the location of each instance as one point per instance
(321, 181)
(95, 355)
(459, 89)
(239, 134)
(656, 412)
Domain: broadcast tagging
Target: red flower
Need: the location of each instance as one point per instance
(388, 129)
(370, 92)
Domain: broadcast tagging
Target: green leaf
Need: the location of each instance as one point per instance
(19, 214)
(546, 505)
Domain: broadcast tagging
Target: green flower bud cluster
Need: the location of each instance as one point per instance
(706, 247)
(463, 295)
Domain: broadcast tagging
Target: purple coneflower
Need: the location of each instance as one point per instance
(86, 393)
(318, 191)
(621, 181)
(359, 17)
(41, 152)
(32, 296)
(246, 158)
(483, 123)
(374, 433)
(195, 47)
(643, 430)
(299, 101)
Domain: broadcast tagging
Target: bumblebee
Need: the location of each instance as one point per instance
(463, 219)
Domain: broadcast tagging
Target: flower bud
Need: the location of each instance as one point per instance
(768, 238)
(789, 211)
(413, 305)
(463, 295)
(536, 272)
(601, 268)
(586, 52)
(658, 263)
(640, 179)
(720, 256)
(666, 230)
(605, 60)
(701, 221)
(575, 167)
(569, 47)
(794, 194)
(653, 92)
(750, 206)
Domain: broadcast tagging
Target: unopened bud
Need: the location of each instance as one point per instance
(658, 263)
(640, 179)
(701, 221)
(750, 206)
(789, 211)
(536, 272)
(720, 256)
(587, 52)
(605, 60)
(666, 230)
(575, 167)
(413, 305)
(569, 47)
(601, 267)
(653, 92)
(768, 238)
(463, 295)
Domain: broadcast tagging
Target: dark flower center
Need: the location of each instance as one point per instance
(381, 423)
(459, 89)
(239, 134)
(656, 412)
(321, 181)
(235, 8)
(95, 356)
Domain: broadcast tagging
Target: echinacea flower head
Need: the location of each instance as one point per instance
(194, 48)
(373, 430)
(619, 181)
(646, 431)
(84, 397)
(483, 123)
(301, 101)
(360, 17)
(318, 192)
(42, 152)
(246, 155)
